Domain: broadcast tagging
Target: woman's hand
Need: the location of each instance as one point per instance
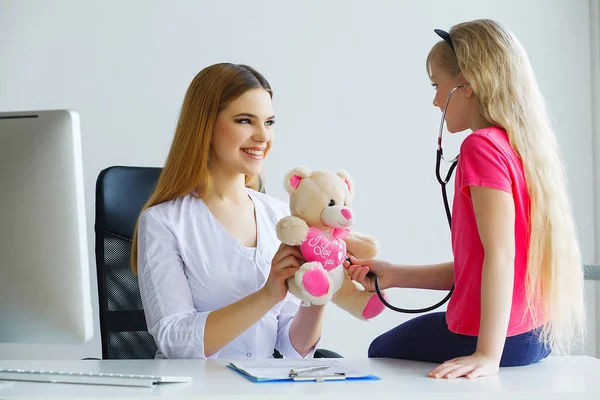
(284, 265)
(358, 269)
(472, 366)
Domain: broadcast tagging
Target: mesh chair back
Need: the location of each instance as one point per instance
(121, 192)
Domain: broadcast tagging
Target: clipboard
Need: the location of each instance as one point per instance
(311, 370)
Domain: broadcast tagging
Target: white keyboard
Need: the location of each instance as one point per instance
(96, 378)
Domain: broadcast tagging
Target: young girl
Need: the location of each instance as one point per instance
(517, 267)
(211, 270)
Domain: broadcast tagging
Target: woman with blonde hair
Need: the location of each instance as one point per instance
(212, 273)
(517, 270)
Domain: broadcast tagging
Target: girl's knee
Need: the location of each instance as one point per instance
(376, 347)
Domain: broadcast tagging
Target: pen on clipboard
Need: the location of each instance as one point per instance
(308, 370)
(305, 374)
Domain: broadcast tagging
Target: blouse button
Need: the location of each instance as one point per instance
(248, 354)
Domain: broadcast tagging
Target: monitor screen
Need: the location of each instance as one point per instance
(44, 267)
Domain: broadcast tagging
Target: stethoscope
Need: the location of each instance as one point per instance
(443, 182)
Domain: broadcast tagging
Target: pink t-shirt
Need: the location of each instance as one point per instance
(486, 159)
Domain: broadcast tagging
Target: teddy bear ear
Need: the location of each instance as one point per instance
(345, 176)
(294, 177)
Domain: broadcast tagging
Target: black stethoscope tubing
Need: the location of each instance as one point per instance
(443, 182)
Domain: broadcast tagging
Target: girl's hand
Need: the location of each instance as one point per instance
(359, 268)
(284, 265)
(473, 366)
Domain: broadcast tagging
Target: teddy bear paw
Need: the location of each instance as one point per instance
(292, 231)
(314, 279)
(374, 307)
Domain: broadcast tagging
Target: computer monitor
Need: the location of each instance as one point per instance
(44, 267)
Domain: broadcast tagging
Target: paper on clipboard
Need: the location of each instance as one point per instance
(273, 370)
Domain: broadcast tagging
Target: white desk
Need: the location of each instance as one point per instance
(554, 376)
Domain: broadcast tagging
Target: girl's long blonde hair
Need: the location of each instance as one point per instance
(187, 166)
(496, 65)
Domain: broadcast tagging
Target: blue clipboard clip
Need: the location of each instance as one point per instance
(307, 374)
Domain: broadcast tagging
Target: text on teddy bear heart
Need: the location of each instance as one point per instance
(318, 247)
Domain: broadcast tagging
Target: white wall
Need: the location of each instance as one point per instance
(347, 75)
(595, 92)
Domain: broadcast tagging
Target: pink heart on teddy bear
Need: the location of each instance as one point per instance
(318, 247)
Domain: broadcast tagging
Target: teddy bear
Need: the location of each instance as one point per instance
(320, 223)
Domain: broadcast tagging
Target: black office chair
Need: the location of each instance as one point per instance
(121, 192)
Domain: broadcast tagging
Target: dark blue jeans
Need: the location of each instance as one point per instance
(427, 338)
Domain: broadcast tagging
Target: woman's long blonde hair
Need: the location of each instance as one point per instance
(496, 65)
(187, 166)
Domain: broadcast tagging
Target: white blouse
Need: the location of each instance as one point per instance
(189, 265)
